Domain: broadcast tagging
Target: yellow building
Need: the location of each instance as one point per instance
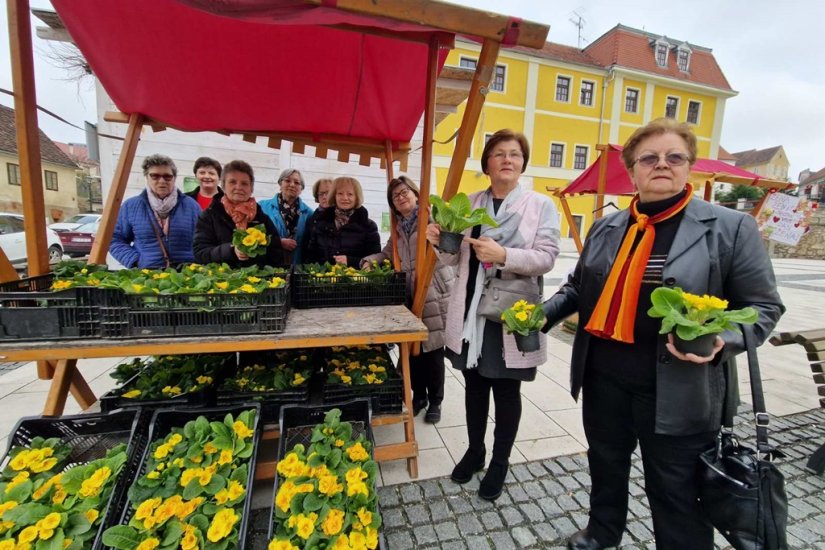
(567, 100)
(771, 163)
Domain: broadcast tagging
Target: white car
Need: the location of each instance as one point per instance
(74, 222)
(13, 239)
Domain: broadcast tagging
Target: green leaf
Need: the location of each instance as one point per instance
(200, 521)
(122, 537)
(174, 531)
(55, 542)
(27, 514)
(77, 524)
(312, 503)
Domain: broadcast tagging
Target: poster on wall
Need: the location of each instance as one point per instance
(784, 218)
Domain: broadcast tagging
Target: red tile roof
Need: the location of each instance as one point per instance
(49, 152)
(756, 156)
(631, 48)
(560, 52)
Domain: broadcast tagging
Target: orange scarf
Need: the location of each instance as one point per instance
(615, 313)
(241, 212)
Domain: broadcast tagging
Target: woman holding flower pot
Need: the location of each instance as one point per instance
(426, 368)
(235, 209)
(523, 245)
(636, 386)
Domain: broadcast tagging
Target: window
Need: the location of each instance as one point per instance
(693, 112)
(661, 54)
(631, 101)
(683, 59)
(13, 171)
(580, 158)
(586, 97)
(498, 79)
(467, 63)
(563, 89)
(556, 155)
(671, 107)
(51, 180)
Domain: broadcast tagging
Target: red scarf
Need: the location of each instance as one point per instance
(241, 212)
(615, 313)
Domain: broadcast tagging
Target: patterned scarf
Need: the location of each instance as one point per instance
(241, 212)
(342, 217)
(408, 224)
(615, 312)
(289, 213)
(162, 207)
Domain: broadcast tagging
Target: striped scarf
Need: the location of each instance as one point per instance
(615, 313)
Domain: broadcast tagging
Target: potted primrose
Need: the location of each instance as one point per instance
(455, 216)
(524, 321)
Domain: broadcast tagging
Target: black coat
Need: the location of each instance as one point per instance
(356, 239)
(213, 238)
(194, 192)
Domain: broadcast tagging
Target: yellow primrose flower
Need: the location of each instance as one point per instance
(333, 523)
(241, 430)
(153, 475)
(357, 452)
(209, 448)
(91, 515)
(8, 544)
(28, 534)
(91, 487)
(298, 379)
(16, 480)
(131, 394)
(226, 457)
(522, 316)
(222, 524)
(189, 541)
(281, 545)
(62, 285)
(253, 279)
(148, 544)
(328, 485)
(222, 285)
(137, 288)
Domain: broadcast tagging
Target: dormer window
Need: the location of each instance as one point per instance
(660, 48)
(683, 58)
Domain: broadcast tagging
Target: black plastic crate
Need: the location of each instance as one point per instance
(30, 311)
(309, 291)
(156, 315)
(162, 422)
(386, 398)
(91, 436)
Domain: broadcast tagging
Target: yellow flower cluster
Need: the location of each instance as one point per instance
(131, 394)
(34, 460)
(222, 524)
(357, 453)
(148, 544)
(167, 447)
(233, 492)
(171, 391)
(704, 302)
(287, 490)
(92, 486)
(156, 511)
(355, 482)
(61, 285)
(241, 430)
(303, 524)
(254, 236)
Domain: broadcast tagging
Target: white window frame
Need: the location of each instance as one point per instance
(570, 81)
(676, 114)
(679, 51)
(563, 154)
(663, 44)
(503, 90)
(638, 99)
(592, 92)
(467, 58)
(698, 112)
(586, 155)
(46, 173)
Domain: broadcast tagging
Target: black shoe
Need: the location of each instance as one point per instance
(492, 484)
(470, 463)
(419, 406)
(583, 541)
(433, 415)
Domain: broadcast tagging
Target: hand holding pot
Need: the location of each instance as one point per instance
(718, 344)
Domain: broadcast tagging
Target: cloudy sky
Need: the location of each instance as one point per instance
(770, 52)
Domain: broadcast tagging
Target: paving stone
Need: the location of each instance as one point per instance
(393, 518)
(400, 539)
(481, 504)
(411, 493)
(518, 494)
(545, 532)
(468, 524)
(447, 530)
(491, 520)
(583, 498)
(450, 487)
(388, 497)
(523, 537)
(532, 512)
(460, 504)
(567, 503)
(580, 520)
(636, 509)
(568, 463)
(418, 514)
(583, 478)
(569, 483)
(512, 516)
(431, 489)
(554, 467)
(478, 543)
(636, 489)
(504, 499)
(639, 531)
(553, 487)
(550, 507)
(502, 540)
(520, 472)
(425, 534)
(536, 469)
(564, 527)
(454, 545)
(439, 510)
(534, 489)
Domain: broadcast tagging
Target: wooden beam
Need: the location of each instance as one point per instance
(59, 390)
(409, 426)
(601, 186)
(113, 200)
(28, 136)
(449, 17)
(571, 223)
(7, 271)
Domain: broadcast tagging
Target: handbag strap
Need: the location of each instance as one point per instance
(761, 417)
(162, 246)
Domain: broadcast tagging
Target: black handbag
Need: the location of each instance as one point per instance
(741, 490)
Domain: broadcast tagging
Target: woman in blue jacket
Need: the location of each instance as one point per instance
(289, 213)
(155, 229)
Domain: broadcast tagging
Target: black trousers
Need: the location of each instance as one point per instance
(507, 395)
(427, 376)
(617, 413)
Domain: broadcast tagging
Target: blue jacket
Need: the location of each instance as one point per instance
(272, 208)
(135, 243)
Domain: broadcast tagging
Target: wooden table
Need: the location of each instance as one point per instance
(305, 328)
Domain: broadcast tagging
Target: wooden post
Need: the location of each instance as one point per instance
(396, 259)
(600, 189)
(472, 111)
(7, 271)
(708, 188)
(570, 222)
(124, 164)
(409, 423)
(28, 136)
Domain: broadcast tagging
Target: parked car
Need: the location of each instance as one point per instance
(79, 241)
(74, 222)
(13, 239)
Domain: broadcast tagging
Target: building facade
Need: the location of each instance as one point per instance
(771, 163)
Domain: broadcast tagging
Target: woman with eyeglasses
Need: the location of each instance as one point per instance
(235, 209)
(289, 214)
(524, 245)
(636, 387)
(343, 232)
(426, 368)
(155, 229)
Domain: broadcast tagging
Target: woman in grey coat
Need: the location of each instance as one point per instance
(426, 368)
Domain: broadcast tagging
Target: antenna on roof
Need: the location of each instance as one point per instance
(579, 22)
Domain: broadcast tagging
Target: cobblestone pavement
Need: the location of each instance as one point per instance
(544, 502)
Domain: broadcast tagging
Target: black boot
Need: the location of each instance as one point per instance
(583, 541)
(493, 482)
(470, 463)
(419, 405)
(433, 415)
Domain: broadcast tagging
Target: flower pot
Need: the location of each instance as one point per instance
(701, 345)
(450, 242)
(527, 343)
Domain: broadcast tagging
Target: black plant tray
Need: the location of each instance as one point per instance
(149, 315)
(30, 311)
(309, 291)
(91, 436)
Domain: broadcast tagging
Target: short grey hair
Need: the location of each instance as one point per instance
(158, 160)
(288, 172)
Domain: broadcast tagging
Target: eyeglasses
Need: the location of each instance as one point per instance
(164, 177)
(501, 155)
(650, 160)
(400, 194)
(291, 182)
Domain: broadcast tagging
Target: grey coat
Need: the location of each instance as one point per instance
(435, 307)
(716, 251)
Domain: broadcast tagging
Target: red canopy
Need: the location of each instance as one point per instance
(255, 65)
(619, 183)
